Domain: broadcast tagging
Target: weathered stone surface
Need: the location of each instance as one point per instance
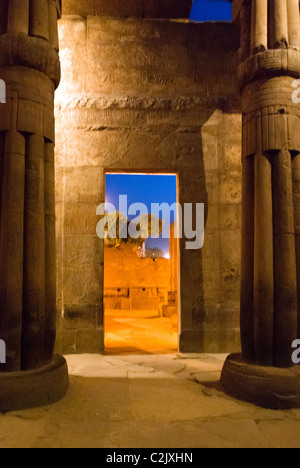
(124, 269)
(29, 389)
(270, 271)
(195, 414)
(130, 8)
(271, 123)
(151, 95)
(30, 67)
(269, 387)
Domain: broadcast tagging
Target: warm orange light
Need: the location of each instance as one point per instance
(141, 296)
(139, 332)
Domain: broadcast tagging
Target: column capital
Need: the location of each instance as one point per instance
(29, 35)
(275, 62)
(32, 52)
(270, 38)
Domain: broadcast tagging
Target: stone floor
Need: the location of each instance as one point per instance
(148, 401)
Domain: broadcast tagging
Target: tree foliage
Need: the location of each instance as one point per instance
(121, 231)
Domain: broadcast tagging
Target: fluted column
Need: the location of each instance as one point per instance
(259, 25)
(263, 290)
(270, 271)
(271, 128)
(12, 183)
(278, 24)
(293, 23)
(29, 65)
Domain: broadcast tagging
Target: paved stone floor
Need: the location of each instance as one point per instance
(148, 401)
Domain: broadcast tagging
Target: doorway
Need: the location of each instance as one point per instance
(141, 264)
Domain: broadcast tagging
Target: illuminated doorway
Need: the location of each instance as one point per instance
(141, 264)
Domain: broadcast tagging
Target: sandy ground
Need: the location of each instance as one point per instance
(140, 332)
(148, 401)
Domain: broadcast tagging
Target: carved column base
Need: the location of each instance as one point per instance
(28, 389)
(268, 387)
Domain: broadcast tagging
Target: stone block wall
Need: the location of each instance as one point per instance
(149, 95)
(124, 269)
(129, 8)
(135, 283)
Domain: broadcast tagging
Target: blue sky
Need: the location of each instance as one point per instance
(211, 10)
(146, 189)
(141, 188)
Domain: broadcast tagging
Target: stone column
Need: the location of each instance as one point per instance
(270, 285)
(30, 68)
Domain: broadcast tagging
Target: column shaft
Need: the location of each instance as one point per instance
(285, 293)
(296, 193)
(39, 19)
(50, 254)
(11, 245)
(53, 32)
(18, 16)
(263, 261)
(3, 16)
(247, 271)
(294, 22)
(259, 25)
(34, 255)
(245, 18)
(278, 24)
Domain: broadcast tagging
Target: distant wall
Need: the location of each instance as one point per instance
(134, 283)
(149, 95)
(124, 269)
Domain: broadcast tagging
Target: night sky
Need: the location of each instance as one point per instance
(146, 189)
(211, 10)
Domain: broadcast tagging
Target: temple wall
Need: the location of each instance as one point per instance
(149, 95)
(135, 283)
(124, 269)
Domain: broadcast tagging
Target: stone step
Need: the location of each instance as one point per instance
(168, 311)
(134, 303)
